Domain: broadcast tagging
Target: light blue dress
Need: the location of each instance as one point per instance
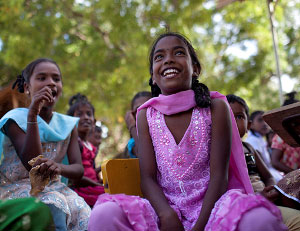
(14, 178)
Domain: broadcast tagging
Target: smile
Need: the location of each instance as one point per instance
(170, 72)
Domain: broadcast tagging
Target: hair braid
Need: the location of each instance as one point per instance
(202, 96)
(76, 101)
(19, 83)
(155, 90)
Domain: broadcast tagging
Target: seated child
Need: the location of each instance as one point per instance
(258, 129)
(193, 170)
(259, 174)
(260, 177)
(30, 132)
(95, 138)
(89, 187)
(130, 118)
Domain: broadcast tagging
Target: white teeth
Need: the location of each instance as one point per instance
(170, 72)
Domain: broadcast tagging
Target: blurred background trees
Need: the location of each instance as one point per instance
(102, 48)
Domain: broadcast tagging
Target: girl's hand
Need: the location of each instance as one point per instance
(170, 221)
(270, 193)
(48, 167)
(38, 99)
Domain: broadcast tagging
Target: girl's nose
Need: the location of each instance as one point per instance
(169, 59)
(51, 82)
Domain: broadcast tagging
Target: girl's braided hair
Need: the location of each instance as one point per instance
(76, 101)
(202, 95)
(24, 77)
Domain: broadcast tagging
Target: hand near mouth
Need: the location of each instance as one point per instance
(39, 99)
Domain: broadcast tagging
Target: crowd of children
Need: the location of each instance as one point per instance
(196, 172)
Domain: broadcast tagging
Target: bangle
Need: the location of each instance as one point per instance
(32, 122)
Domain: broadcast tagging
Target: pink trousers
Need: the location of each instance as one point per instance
(110, 217)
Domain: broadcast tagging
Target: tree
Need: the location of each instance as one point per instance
(102, 48)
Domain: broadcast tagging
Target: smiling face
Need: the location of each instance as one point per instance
(85, 113)
(45, 74)
(240, 116)
(172, 66)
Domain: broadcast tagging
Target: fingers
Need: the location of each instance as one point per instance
(44, 94)
(48, 167)
(269, 188)
(39, 98)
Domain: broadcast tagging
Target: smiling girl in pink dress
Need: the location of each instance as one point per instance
(193, 170)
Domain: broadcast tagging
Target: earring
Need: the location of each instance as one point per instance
(27, 92)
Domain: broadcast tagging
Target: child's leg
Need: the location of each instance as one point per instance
(59, 218)
(260, 219)
(108, 217)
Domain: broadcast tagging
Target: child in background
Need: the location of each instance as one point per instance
(284, 157)
(29, 132)
(89, 187)
(95, 138)
(260, 177)
(130, 118)
(258, 130)
(193, 170)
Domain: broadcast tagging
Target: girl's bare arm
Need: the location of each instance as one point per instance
(75, 169)
(28, 145)
(263, 170)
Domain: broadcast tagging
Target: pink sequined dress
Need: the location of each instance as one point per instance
(184, 174)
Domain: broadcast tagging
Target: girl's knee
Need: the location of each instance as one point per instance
(108, 216)
(260, 219)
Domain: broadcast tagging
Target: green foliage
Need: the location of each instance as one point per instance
(102, 48)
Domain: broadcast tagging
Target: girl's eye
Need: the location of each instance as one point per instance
(41, 78)
(179, 53)
(240, 117)
(56, 79)
(157, 57)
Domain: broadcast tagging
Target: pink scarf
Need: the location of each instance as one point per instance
(185, 100)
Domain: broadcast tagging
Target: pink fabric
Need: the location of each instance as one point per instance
(185, 100)
(112, 216)
(90, 194)
(183, 172)
(250, 222)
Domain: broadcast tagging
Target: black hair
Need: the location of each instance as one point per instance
(202, 95)
(255, 113)
(231, 98)
(252, 117)
(97, 129)
(140, 94)
(24, 77)
(76, 101)
(290, 98)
